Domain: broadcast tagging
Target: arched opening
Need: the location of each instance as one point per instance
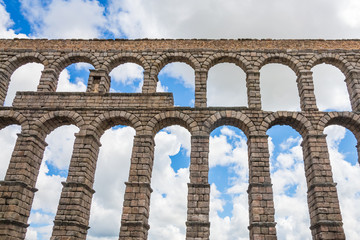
(229, 180)
(8, 136)
(346, 171)
(289, 183)
(112, 171)
(25, 78)
(178, 78)
(330, 89)
(74, 77)
(169, 183)
(226, 86)
(278, 88)
(127, 77)
(53, 171)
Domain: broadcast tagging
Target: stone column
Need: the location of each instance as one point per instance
(135, 215)
(72, 217)
(253, 89)
(358, 151)
(200, 88)
(4, 85)
(150, 81)
(325, 216)
(353, 85)
(99, 81)
(198, 225)
(48, 81)
(18, 188)
(261, 204)
(306, 91)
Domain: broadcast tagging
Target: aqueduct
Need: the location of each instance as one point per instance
(96, 110)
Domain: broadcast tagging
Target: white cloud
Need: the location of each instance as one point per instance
(226, 86)
(25, 78)
(111, 174)
(278, 88)
(64, 84)
(6, 23)
(128, 74)
(65, 18)
(330, 88)
(348, 183)
(182, 72)
(7, 141)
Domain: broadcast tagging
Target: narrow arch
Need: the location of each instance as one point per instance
(52, 120)
(166, 119)
(222, 57)
(296, 120)
(22, 59)
(10, 117)
(280, 58)
(62, 62)
(112, 118)
(232, 118)
(175, 57)
(333, 59)
(114, 61)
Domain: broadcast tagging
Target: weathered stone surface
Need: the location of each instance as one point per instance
(93, 112)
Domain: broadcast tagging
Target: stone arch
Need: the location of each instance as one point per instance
(169, 118)
(294, 119)
(62, 62)
(230, 117)
(348, 120)
(9, 117)
(223, 57)
(281, 58)
(52, 120)
(126, 57)
(333, 59)
(171, 57)
(112, 118)
(23, 58)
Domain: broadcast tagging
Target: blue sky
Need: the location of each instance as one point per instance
(228, 174)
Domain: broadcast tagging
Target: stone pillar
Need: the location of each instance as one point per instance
(4, 85)
(72, 217)
(261, 204)
(99, 81)
(200, 88)
(325, 216)
(198, 225)
(135, 215)
(253, 89)
(358, 151)
(150, 81)
(306, 91)
(353, 85)
(18, 188)
(48, 81)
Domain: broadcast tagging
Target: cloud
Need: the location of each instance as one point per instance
(235, 19)
(25, 78)
(8, 138)
(64, 18)
(226, 86)
(64, 84)
(6, 23)
(181, 72)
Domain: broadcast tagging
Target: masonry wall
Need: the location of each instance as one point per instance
(93, 112)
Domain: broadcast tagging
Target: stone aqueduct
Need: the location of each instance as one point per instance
(97, 110)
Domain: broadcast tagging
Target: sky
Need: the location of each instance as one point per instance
(228, 175)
